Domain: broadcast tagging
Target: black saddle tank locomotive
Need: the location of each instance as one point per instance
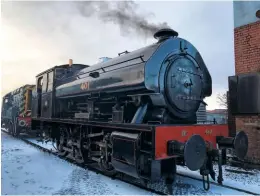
(161, 83)
(133, 114)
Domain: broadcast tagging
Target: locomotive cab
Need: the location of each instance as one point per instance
(44, 97)
(42, 100)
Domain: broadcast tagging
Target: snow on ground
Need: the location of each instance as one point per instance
(49, 145)
(249, 182)
(27, 170)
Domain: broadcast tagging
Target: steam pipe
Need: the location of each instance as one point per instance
(140, 114)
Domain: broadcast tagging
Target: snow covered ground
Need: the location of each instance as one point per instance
(49, 145)
(249, 182)
(27, 170)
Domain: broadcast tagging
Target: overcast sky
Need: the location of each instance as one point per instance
(38, 35)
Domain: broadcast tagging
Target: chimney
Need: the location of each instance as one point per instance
(70, 62)
(164, 34)
(257, 13)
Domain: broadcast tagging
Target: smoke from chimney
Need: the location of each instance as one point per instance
(122, 13)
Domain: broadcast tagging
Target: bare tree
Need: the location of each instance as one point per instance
(222, 100)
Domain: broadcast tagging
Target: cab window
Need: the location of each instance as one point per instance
(50, 81)
(59, 73)
(44, 85)
(29, 100)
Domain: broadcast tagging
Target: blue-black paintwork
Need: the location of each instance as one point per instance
(145, 71)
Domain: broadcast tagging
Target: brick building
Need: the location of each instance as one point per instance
(247, 59)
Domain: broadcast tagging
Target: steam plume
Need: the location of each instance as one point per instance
(122, 13)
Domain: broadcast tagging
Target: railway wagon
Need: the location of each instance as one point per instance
(135, 114)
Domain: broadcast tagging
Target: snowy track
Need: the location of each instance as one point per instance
(27, 170)
(55, 179)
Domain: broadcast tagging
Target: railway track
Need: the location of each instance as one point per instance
(224, 186)
(123, 178)
(88, 166)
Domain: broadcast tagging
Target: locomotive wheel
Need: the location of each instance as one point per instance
(62, 143)
(107, 169)
(16, 131)
(79, 159)
(105, 165)
(170, 175)
(11, 128)
(2, 124)
(82, 155)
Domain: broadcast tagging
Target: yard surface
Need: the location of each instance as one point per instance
(27, 170)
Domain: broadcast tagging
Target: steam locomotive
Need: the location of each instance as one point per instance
(134, 114)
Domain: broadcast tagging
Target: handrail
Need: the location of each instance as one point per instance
(102, 68)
